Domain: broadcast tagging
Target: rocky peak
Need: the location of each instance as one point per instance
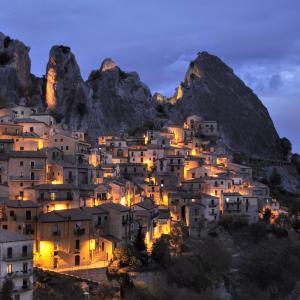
(107, 65)
(212, 91)
(16, 81)
(63, 78)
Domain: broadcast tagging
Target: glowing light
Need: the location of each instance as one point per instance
(123, 201)
(92, 244)
(40, 145)
(60, 206)
(56, 182)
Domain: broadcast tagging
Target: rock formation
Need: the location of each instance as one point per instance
(113, 101)
(16, 81)
(212, 91)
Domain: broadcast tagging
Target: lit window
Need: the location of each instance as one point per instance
(9, 268)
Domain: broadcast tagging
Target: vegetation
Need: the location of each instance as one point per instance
(295, 160)
(7, 41)
(6, 291)
(161, 251)
(285, 147)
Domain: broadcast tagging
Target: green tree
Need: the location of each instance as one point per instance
(6, 290)
(161, 251)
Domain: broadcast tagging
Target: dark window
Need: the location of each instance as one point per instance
(31, 129)
(9, 252)
(24, 251)
(28, 215)
(21, 163)
(77, 244)
(25, 267)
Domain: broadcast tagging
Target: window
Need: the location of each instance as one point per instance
(9, 268)
(24, 251)
(28, 215)
(21, 163)
(52, 196)
(77, 244)
(25, 283)
(25, 267)
(55, 140)
(67, 147)
(21, 184)
(11, 213)
(32, 164)
(55, 228)
(21, 148)
(32, 176)
(9, 252)
(31, 129)
(99, 221)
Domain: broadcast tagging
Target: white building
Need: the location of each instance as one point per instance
(16, 263)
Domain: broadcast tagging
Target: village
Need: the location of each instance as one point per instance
(67, 202)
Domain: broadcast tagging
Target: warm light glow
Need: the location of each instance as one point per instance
(60, 206)
(92, 244)
(123, 201)
(56, 182)
(40, 145)
(50, 90)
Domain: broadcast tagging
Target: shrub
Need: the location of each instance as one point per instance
(161, 251)
(7, 41)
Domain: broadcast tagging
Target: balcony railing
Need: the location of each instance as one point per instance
(56, 198)
(38, 167)
(24, 178)
(17, 256)
(18, 274)
(212, 204)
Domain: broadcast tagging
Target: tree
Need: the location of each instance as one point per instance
(275, 178)
(285, 147)
(6, 290)
(139, 242)
(161, 251)
(267, 215)
(140, 246)
(176, 237)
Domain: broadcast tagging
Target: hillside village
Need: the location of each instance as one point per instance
(67, 202)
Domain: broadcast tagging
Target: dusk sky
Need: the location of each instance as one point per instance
(259, 39)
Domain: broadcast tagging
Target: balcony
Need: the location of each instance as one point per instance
(79, 231)
(212, 205)
(20, 274)
(38, 167)
(24, 178)
(56, 198)
(17, 256)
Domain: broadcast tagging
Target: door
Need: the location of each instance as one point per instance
(77, 260)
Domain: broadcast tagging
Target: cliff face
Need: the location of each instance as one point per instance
(109, 101)
(212, 90)
(16, 81)
(113, 101)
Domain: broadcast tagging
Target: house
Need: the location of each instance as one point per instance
(63, 239)
(16, 263)
(146, 214)
(54, 196)
(19, 216)
(25, 169)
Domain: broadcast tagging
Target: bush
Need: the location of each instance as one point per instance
(161, 251)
